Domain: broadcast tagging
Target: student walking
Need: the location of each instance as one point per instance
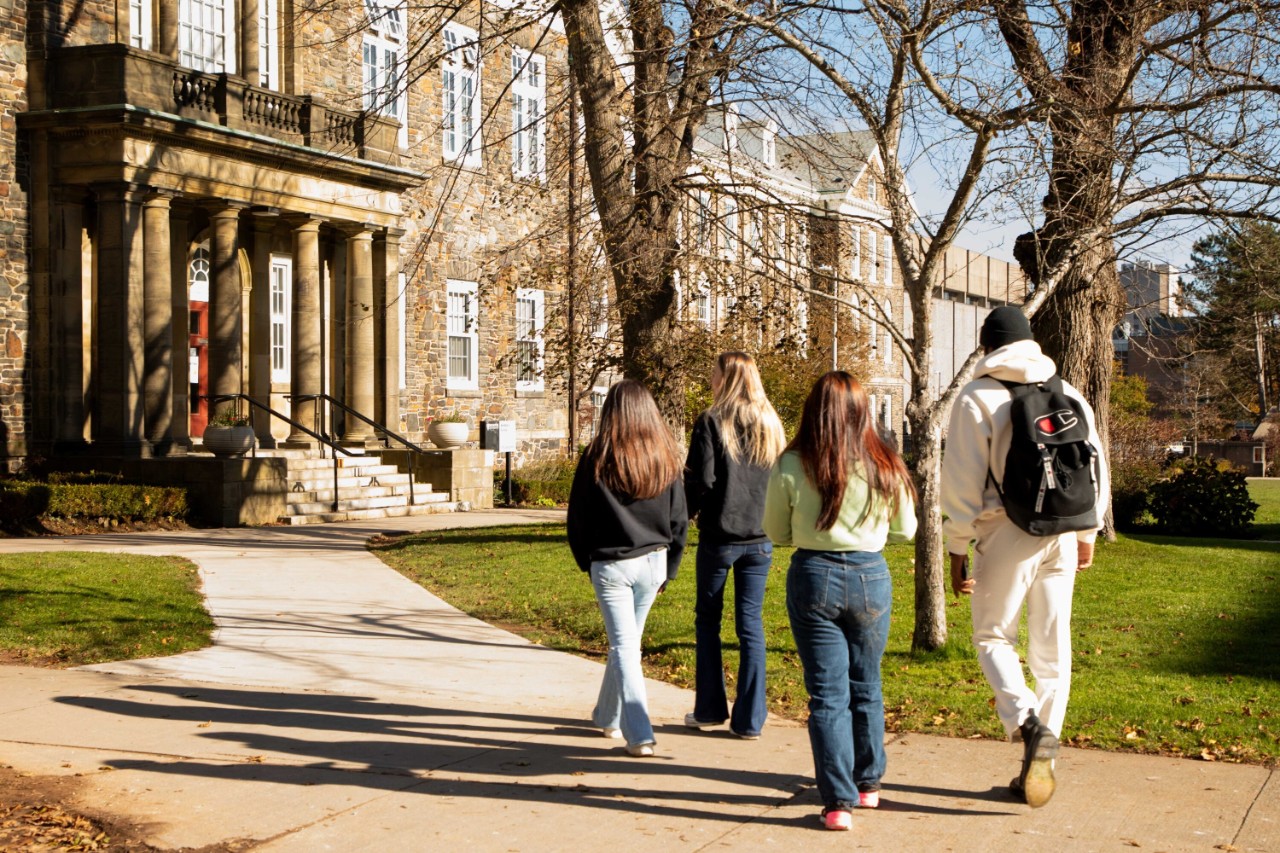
(734, 444)
(1033, 521)
(839, 493)
(627, 523)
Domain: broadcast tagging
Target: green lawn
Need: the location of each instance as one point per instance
(71, 608)
(1266, 493)
(1177, 640)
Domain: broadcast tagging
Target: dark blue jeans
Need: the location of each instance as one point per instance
(750, 564)
(839, 603)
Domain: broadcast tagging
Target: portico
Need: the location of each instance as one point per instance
(190, 256)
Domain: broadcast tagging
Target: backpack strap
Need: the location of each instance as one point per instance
(1018, 389)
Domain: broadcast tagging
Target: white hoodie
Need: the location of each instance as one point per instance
(978, 440)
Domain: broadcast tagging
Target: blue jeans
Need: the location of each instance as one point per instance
(750, 564)
(839, 603)
(625, 590)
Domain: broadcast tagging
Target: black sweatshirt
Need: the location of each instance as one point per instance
(727, 497)
(604, 525)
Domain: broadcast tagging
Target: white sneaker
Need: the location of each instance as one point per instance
(640, 750)
(612, 734)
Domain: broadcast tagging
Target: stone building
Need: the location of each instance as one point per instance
(204, 198)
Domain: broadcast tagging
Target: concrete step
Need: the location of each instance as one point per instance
(369, 514)
(326, 494)
(319, 482)
(358, 464)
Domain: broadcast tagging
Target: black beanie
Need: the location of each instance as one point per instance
(1005, 325)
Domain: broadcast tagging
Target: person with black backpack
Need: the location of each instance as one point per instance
(1024, 479)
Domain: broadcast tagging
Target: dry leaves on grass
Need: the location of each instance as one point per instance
(47, 827)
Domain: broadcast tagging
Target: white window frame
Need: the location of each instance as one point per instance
(532, 334)
(702, 311)
(279, 323)
(886, 317)
(528, 121)
(460, 96)
(704, 237)
(600, 308)
(1259, 455)
(462, 324)
(886, 248)
(382, 63)
(886, 413)
(873, 260)
(730, 219)
(207, 35)
(873, 189)
(855, 253)
(140, 24)
(269, 44)
(755, 234)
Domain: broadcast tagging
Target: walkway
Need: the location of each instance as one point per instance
(344, 708)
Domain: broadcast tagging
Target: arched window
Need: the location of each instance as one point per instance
(198, 273)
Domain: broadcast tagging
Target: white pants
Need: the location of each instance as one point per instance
(1010, 568)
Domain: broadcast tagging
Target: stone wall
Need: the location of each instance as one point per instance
(14, 262)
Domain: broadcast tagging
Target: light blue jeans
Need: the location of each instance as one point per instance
(625, 590)
(839, 603)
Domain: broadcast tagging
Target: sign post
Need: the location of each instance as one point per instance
(500, 436)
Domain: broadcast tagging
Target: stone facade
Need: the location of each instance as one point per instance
(14, 235)
(278, 201)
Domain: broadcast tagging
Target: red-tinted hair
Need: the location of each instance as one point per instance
(836, 434)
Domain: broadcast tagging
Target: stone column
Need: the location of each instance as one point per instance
(249, 44)
(225, 308)
(307, 352)
(167, 28)
(179, 246)
(158, 320)
(264, 223)
(386, 279)
(359, 336)
(119, 422)
(68, 322)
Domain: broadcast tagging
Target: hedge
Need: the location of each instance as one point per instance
(23, 502)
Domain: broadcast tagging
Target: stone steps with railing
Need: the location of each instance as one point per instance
(366, 489)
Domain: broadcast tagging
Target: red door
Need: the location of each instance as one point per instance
(199, 367)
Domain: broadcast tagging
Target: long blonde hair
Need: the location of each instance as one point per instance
(634, 451)
(749, 426)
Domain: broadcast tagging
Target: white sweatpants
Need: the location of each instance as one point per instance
(1010, 568)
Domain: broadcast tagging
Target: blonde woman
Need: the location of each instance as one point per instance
(734, 445)
(627, 523)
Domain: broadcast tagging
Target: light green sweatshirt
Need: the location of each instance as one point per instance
(792, 506)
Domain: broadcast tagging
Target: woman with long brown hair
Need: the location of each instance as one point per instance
(734, 444)
(839, 493)
(627, 522)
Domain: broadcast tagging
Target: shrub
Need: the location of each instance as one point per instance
(24, 502)
(1203, 497)
(543, 483)
(1131, 484)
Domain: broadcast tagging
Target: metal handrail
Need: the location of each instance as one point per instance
(323, 439)
(387, 433)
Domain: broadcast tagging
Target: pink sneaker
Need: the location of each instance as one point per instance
(869, 799)
(837, 820)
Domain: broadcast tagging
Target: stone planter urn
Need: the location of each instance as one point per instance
(446, 434)
(228, 441)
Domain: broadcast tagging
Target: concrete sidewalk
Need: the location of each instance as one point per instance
(343, 708)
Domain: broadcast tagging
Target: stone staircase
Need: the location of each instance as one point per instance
(367, 489)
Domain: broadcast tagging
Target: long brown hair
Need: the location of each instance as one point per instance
(749, 427)
(836, 434)
(634, 451)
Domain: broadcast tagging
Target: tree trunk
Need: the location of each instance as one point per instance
(930, 577)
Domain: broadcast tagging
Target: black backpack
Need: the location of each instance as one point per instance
(1050, 482)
